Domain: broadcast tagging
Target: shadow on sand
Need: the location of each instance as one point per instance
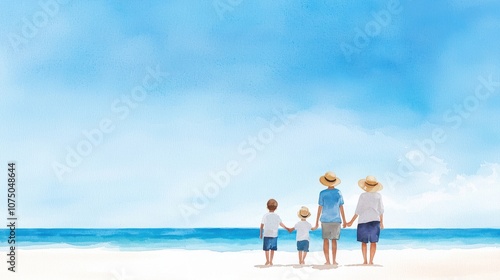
(369, 265)
(325, 266)
(315, 266)
(320, 267)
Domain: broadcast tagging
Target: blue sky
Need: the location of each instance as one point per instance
(266, 95)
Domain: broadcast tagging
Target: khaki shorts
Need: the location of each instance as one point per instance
(330, 231)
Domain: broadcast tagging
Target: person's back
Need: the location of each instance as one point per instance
(370, 210)
(331, 214)
(369, 207)
(303, 228)
(271, 223)
(331, 200)
(269, 230)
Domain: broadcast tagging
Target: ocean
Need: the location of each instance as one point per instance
(240, 239)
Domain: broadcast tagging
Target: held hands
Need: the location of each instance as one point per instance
(316, 226)
(349, 224)
(344, 224)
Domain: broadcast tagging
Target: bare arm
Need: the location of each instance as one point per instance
(283, 226)
(381, 221)
(352, 220)
(343, 216)
(261, 229)
(320, 209)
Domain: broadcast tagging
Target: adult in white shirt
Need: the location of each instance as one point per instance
(370, 210)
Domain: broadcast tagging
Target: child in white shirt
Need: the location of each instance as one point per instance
(303, 227)
(269, 230)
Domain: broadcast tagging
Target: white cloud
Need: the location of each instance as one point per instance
(459, 201)
(290, 166)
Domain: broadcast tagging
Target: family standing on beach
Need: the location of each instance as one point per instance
(369, 209)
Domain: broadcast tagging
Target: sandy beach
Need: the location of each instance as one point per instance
(72, 264)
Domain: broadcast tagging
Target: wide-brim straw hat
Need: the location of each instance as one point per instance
(304, 213)
(370, 184)
(329, 179)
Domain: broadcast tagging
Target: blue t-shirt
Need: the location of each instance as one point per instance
(331, 200)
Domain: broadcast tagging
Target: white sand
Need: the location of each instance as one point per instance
(72, 264)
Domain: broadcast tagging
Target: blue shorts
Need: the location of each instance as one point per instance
(270, 243)
(369, 232)
(303, 245)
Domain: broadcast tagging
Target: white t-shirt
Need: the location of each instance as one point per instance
(303, 228)
(271, 223)
(369, 207)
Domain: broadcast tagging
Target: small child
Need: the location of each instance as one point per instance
(370, 210)
(303, 227)
(269, 230)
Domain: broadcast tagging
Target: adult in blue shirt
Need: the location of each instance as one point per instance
(331, 214)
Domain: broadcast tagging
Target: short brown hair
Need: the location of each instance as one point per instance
(272, 204)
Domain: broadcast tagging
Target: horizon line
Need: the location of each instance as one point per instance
(352, 228)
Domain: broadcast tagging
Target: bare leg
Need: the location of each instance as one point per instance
(271, 257)
(373, 249)
(304, 257)
(363, 250)
(326, 250)
(334, 251)
(300, 257)
(267, 257)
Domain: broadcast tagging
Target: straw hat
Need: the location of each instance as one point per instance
(370, 184)
(304, 213)
(329, 179)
